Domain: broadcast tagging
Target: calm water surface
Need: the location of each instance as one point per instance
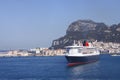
(55, 68)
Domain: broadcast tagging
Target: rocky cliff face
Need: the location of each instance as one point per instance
(88, 29)
(81, 26)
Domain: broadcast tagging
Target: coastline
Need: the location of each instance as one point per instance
(104, 48)
(35, 52)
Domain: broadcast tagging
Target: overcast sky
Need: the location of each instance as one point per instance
(28, 24)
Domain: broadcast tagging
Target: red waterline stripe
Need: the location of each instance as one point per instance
(78, 63)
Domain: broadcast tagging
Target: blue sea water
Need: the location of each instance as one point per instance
(55, 68)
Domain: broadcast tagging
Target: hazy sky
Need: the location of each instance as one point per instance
(36, 23)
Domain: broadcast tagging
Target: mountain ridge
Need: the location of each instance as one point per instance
(90, 30)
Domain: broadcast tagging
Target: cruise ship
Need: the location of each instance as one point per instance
(81, 54)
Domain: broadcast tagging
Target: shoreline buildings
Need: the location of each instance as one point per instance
(108, 47)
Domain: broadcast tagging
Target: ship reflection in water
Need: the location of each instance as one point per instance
(86, 71)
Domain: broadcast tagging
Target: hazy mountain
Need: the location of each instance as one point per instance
(90, 30)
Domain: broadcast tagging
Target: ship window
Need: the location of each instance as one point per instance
(84, 52)
(90, 50)
(79, 50)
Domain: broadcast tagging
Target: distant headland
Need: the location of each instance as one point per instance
(90, 30)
